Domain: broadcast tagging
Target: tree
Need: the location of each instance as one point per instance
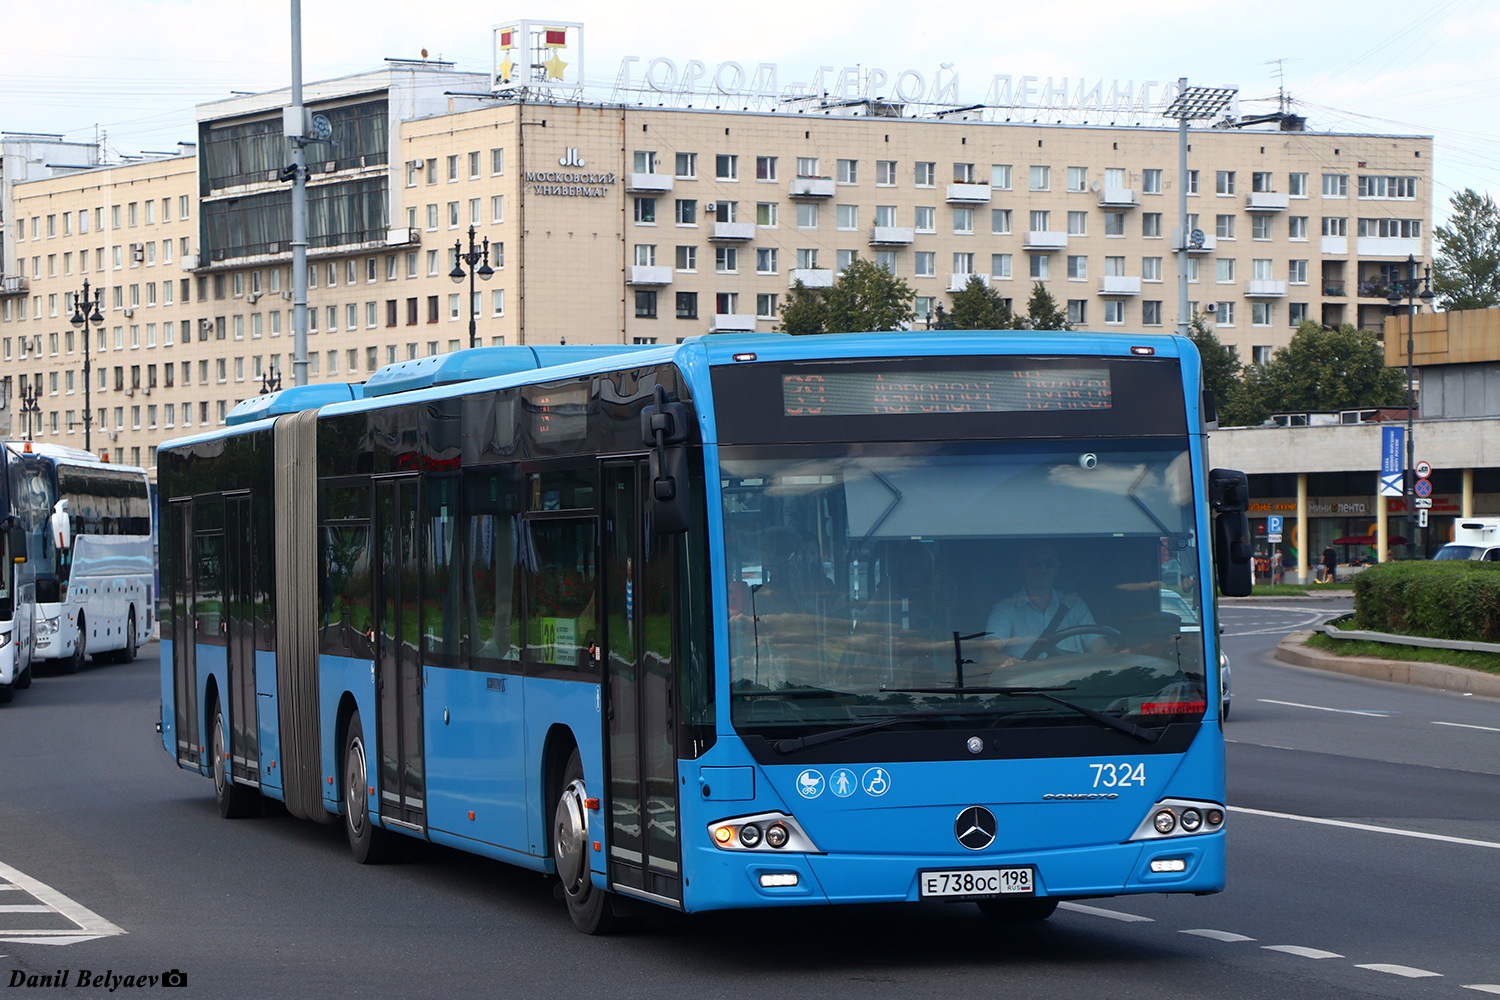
(1466, 266)
(1221, 362)
(1341, 369)
(1042, 311)
(805, 310)
(868, 297)
(980, 307)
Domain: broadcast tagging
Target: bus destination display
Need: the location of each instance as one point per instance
(843, 394)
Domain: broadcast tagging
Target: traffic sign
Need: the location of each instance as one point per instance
(1423, 470)
(1273, 525)
(1424, 487)
(1422, 518)
(1273, 537)
(1424, 503)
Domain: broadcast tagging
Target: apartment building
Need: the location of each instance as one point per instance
(635, 224)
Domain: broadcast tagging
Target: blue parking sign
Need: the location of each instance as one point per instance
(1273, 524)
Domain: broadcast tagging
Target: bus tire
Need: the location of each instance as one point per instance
(1018, 911)
(7, 692)
(589, 907)
(370, 844)
(127, 655)
(235, 801)
(23, 679)
(74, 663)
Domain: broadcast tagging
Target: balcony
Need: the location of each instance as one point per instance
(1266, 201)
(958, 282)
(968, 194)
(1265, 288)
(811, 187)
(1374, 290)
(1119, 284)
(649, 183)
(1118, 198)
(811, 277)
(1036, 240)
(1334, 288)
(1198, 241)
(891, 236)
(12, 284)
(732, 323)
(403, 237)
(1388, 246)
(642, 274)
(724, 231)
(1335, 246)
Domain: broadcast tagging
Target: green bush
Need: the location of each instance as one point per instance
(1441, 600)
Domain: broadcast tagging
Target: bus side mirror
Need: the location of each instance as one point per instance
(1229, 496)
(61, 525)
(664, 426)
(16, 536)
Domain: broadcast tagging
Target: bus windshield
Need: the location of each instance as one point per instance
(872, 582)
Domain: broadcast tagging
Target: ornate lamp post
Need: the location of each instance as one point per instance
(30, 409)
(270, 381)
(463, 263)
(86, 316)
(1408, 289)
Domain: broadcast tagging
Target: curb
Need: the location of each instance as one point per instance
(1321, 596)
(1433, 675)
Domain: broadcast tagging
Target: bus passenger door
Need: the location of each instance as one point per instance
(239, 631)
(398, 673)
(645, 852)
(184, 658)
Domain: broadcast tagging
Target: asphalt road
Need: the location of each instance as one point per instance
(1364, 862)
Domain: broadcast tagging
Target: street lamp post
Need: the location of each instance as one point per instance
(463, 263)
(30, 409)
(1192, 103)
(270, 381)
(86, 315)
(1393, 299)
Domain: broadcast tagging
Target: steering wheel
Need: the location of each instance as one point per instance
(1044, 643)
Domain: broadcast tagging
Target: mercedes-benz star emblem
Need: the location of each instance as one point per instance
(975, 828)
(976, 745)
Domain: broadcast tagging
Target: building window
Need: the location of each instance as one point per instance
(1078, 179)
(1391, 228)
(1114, 312)
(1192, 182)
(807, 215)
(1335, 225)
(1260, 314)
(1224, 226)
(1224, 182)
(687, 166)
(1000, 221)
(727, 303)
(687, 305)
(1296, 313)
(687, 258)
(1224, 270)
(885, 173)
(766, 260)
(1000, 266)
(497, 305)
(1000, 176)
(847, 172)
(645, 211)
(1224, 314)
(726, 260)
(765, 305)
(963, 221)
(726, 167)
(846, 217)
(645, 161)
(843, 258)
(1041, 178)
(1078, 268)
(1078, 312)
(926, 173)
(1296, 227)
(1041, 218)
(1260, 227)
(1150, 268)
(1041, 266)
(925, 264)
(1151, 312)
(497, 161)
(1297, 272)
(1114, 223)
(925, 218)
(1262, 181)
(686, 212)
(807, 166)
(1151, 225)
(1335, 185)
(645, 255)
(1151, 181)
(1403, 188)
(886, 260)
(645, 304)
(1296, 185)
(807, 257)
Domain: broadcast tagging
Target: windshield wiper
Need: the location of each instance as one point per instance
(839, 735)
(1147, 736)
(834, 735)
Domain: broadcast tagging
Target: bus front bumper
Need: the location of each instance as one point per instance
(730, 879)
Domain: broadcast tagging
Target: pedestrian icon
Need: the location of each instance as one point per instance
(810, 784)
(877, 781)
(844, 782)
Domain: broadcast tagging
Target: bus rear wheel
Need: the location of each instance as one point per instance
(74, 663)
(127, 655)
(589, 907)
(370, 844)
(1018, 911)
(235, 801)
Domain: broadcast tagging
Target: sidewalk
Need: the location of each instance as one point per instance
(1433, 675)
(1321, 595)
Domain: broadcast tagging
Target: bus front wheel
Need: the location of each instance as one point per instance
(74, 663)
(235, 801)
(1018, 911)
(370, 844)
(589, 906)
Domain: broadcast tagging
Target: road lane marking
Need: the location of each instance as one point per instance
(90, 924)
(1324, 708)
(1366, 827)
(1095, 911)
(1401, 970)
(1484, 987)
(1298, 950)
(1218, 935)
(1465, 725)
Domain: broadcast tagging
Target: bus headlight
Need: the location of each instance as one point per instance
(4, 639)
(762, 833)
(1180, 818)
(47, 626)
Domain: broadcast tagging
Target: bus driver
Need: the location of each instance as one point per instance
(1021, 623)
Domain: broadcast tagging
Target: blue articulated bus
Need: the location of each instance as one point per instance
(748, 621)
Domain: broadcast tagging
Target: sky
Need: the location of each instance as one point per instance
(133, 70)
